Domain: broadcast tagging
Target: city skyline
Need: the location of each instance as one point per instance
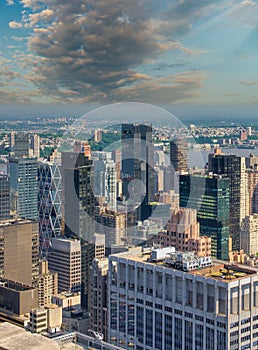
(189, 57)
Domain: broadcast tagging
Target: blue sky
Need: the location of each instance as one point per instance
(87, 52)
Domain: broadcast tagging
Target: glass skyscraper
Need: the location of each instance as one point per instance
(24, 187)
(210, 196)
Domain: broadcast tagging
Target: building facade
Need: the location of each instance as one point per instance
(49, 204)
(179, 154)
(4, 197)
(154, 305)
(209, 195)
(19, 256)
(65, 259)
(48, 284)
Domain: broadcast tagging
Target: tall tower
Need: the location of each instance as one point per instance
(230, 166)
(24, 187)
(179, 154)
(138, 164)
(79, 200)
(19, 258)
(22, 145)
(210, 196)
(49, 203)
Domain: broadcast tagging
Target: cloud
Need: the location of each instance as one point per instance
(10, 2)
(249, 83)
(15, 25)
(87, 50)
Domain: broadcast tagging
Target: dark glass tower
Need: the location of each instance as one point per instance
(209, 195)
(137, 164)
(79, 200)
(230, 166)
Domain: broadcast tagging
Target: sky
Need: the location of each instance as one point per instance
(193, 56)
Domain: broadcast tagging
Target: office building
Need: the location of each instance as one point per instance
(90, 251)
(19, 257)
(48, 284)
(209, 195)
(111, 224)
(183, 233)
(249, 237)
(4, 197)
(180, 302)
(24, 187)
(79, 200)
(47, 319)
(16, 297)
(105, 179)
(98, 135)
(252, 185)
(21, 145)
(68, 301)
(230, 166)
(179, 154)
(49, 203)
(138, 167)
(98, 296)
(65, 259)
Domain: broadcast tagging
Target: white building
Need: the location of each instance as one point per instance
(154, 305)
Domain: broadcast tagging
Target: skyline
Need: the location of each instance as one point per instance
(188, 57)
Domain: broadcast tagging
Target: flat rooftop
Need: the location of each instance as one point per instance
(12, 222)
(222, 270)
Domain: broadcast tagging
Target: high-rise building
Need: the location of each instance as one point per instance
(65, 259)
(98, 135)
(181, 302)
(19, 257)
(98, 296)
(209, 195)
(105, 179)
(21, 145)
(230, 166)
(183, 233)
(110, 224)
(48, 284)
(24, 187)
(49, 203)
(4, 197)
(35, 145)
(179, 154)
(252, 184)
(249, 230)
(79, 200)
(138, 166)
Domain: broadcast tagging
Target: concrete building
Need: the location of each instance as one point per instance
(47, 319)
(21, 145)
(98, 135)
(67, 300)
(110, 224)
(179, 154)
(183, 233)
(48, 284)
(17, 297)
(13, 337)
(98, 296)
(65, 259)
(252, 185)
(249, 234)
(155, 305)
(19, 257)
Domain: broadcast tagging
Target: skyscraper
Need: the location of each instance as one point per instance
(138, 164)
(4, 197)
(79, 200)
(49, 203)
(209, 195)
(21, 145)
(24, 187)
(155, 305)
(65, 259)
(19, 258)
(179, 154)
(230, 166)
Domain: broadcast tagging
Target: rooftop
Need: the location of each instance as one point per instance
(212, 268)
